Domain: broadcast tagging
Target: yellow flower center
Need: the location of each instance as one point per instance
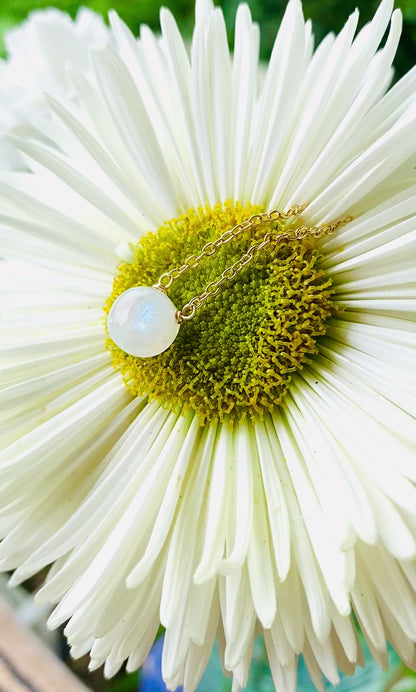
(235, 357)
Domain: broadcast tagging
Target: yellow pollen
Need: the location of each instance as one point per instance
(235, 358)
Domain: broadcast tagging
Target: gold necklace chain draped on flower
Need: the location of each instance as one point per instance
(189, 309)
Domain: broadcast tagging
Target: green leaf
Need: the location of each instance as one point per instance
(127, 682)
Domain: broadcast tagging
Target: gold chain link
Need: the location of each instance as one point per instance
(189, 310)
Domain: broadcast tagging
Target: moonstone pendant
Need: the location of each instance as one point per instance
(142, 321)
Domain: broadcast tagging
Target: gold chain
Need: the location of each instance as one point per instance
(189, 310)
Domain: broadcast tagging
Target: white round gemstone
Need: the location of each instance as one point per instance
(142, 321)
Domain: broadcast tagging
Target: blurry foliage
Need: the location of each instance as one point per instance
(124, 682)
(402, 679)
(327, 15)
(368, 679)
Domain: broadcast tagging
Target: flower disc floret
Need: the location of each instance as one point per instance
(235, 357)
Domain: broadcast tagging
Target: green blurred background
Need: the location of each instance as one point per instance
(327, 15)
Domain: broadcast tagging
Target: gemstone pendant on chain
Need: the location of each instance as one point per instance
(143, 321)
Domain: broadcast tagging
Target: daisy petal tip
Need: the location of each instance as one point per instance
(344, 607)
(166, 18)
(111, 668)
(387, 5)
(125, 252)
(347, 542)
(99, 50)
(229, 565)
(283, 570)
(39, 598)
(397, 20)
(55, 620)
(203, 9)
(18, 577)
(114, 18)
(94, 664)
(204, 573)
(14, 580)
(267, 621)
(138, 575)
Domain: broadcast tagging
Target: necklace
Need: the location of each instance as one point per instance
(144, 322)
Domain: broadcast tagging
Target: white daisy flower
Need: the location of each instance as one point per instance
(259, 475)
(38, 50)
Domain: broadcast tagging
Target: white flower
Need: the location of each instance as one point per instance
(284, 525)
(38, 51)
